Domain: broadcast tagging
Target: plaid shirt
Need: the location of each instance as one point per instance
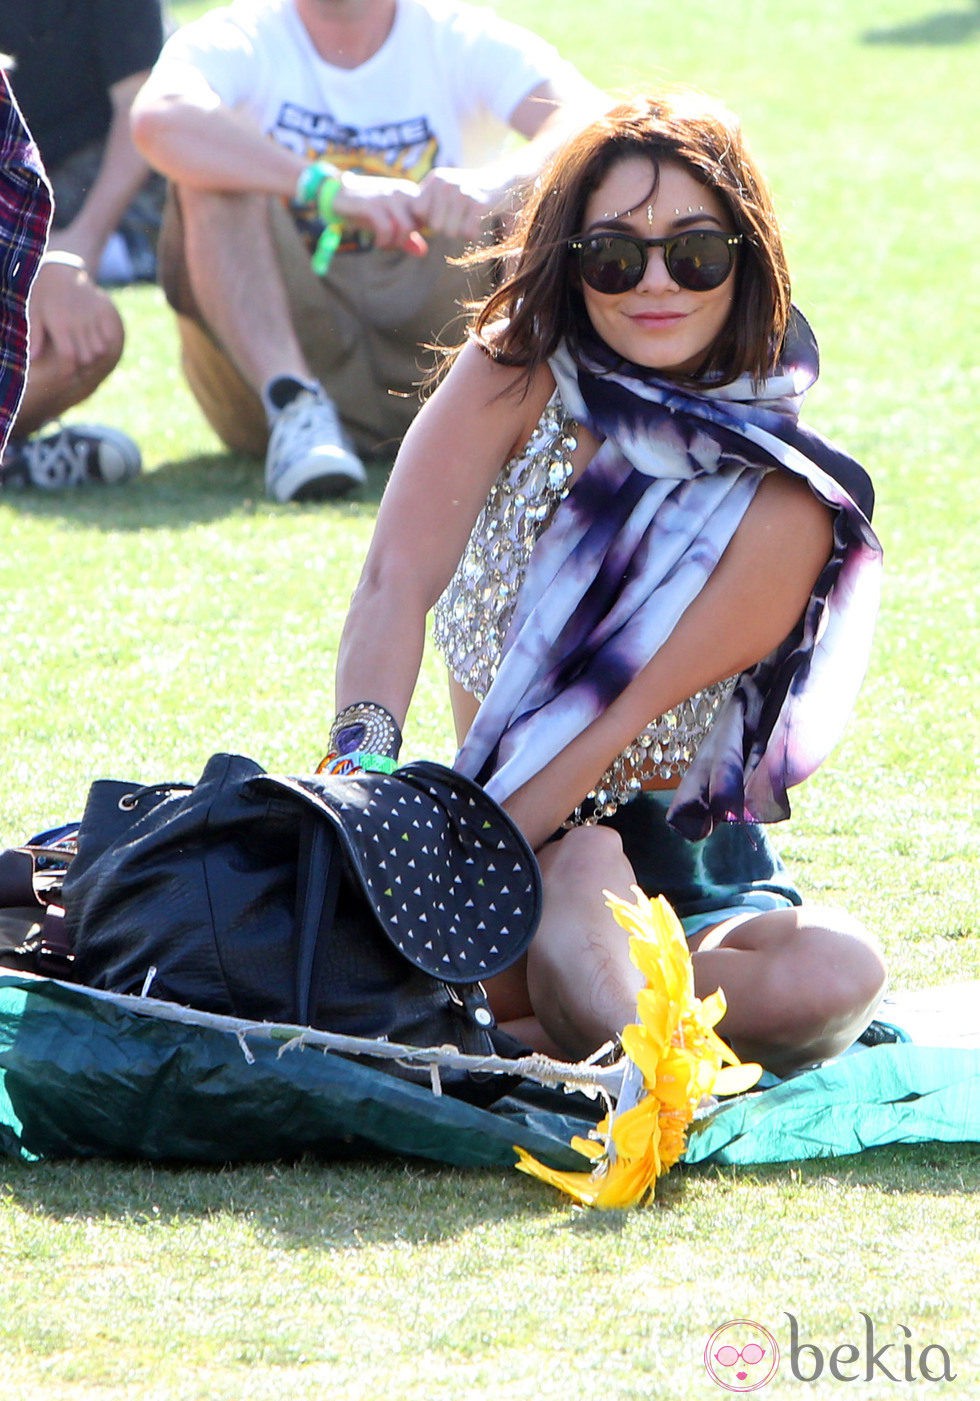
(25, 212)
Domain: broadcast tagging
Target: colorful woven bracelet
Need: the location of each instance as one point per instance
(339, 765)
(326, 246)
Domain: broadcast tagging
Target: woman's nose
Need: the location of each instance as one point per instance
(655, 277)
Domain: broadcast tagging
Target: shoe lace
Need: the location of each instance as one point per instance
(304, 423)
(59, 459)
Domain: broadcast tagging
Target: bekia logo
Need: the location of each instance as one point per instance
(743, 1355)
(894, 1361)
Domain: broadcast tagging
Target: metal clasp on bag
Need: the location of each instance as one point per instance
(128, 801)
(472, 997)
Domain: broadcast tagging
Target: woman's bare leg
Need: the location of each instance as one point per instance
(577, 987)
(801, 984)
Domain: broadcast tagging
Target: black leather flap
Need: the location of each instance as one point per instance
(454, 884)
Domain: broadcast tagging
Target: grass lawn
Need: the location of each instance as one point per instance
(148, 626)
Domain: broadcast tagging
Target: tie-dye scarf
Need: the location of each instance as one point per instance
(630, 547)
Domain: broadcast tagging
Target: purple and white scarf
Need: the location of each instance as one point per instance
(633, 544)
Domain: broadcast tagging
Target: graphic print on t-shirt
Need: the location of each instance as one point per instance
(404, 150)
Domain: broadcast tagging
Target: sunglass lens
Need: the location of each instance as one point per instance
(700, 261)
(611, 265)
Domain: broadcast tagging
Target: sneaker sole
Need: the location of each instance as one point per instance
(327, 487)
(338, 474)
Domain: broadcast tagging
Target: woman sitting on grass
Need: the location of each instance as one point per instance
(654, 589)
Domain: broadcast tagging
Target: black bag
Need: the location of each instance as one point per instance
(371, 905)
(32, 933)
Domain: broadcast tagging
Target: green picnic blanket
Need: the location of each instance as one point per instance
(88, 1074)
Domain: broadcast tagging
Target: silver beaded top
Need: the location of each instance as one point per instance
(472, 616)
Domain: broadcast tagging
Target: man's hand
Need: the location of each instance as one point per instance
(455, 203)
(389, 208)
(70, 316)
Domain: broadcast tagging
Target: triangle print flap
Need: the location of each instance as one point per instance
(452, 881)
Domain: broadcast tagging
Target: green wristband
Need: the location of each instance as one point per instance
(375, 763)
(319, 185)
(326, 246)
(312, 179)
(325, 196)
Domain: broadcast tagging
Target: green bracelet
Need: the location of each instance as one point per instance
(326, 246)
(319, 184)
(311, 180)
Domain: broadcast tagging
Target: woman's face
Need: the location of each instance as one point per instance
(657, 324)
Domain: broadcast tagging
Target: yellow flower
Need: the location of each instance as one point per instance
(681, 1058)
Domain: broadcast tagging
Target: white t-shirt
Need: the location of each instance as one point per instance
(439, 91)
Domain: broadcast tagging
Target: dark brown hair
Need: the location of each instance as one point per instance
(538, 303)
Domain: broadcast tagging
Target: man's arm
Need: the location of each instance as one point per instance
(120, 176)
(70, 316)
(459, 203)
(546, 117)
(185, 130)
(182, 127)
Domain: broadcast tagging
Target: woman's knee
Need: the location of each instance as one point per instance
(583, 852)
(808, 987)
(842, 981)
(853, 974)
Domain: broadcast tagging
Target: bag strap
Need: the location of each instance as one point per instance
(318, 885)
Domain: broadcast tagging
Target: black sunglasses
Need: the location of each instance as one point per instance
(698, 260)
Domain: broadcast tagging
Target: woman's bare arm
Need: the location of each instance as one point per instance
(448, 461)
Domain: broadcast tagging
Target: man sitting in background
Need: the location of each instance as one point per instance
(372, 132)
(75, 67)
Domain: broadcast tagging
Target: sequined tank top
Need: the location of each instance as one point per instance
(472, 616)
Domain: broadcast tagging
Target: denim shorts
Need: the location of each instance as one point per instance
(733, 873)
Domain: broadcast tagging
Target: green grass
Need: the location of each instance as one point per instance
(148, 626)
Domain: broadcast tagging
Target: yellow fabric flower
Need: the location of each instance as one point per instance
(679, 1055)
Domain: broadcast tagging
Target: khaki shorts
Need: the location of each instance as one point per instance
(363, 330)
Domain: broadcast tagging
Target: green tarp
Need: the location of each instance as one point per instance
(87, 1075)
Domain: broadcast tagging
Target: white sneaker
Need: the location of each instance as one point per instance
(75, 455)
(309, 457)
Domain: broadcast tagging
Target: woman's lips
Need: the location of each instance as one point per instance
(657, 318)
